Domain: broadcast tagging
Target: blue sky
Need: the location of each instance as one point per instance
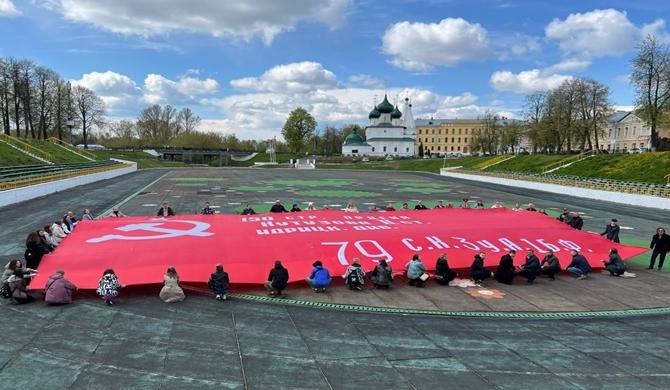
(242, 66)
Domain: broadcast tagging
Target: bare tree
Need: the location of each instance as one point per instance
(535, 109)
(651, 79)
(187, 121)
(89, 109)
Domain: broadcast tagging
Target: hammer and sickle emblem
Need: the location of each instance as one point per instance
(198, 230)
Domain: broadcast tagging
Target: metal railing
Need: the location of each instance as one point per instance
(48, 177)
(82, 152)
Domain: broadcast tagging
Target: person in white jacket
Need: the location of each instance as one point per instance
(57, 233)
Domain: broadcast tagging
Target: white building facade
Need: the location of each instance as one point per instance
(389, 133)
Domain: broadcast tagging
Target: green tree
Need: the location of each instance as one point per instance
(298, 129)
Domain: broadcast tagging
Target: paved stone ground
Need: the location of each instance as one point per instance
(143, 343)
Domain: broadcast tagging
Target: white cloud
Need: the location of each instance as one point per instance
(568, 65)
(423, 46)
(120, 93)
(161, 90)
(245, 20)
(294, 77)
(600, 33)
(8, 9)
(365, 80)
(527, 81)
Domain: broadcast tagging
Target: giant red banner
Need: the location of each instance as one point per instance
(139, 249)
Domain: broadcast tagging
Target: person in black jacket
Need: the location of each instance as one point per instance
(36, 248)
(219, 283)
(444, 274)
(576, 221)
(277, 280)
(550, 265)
(531, 268)
(477, 271)
(295, 208)
(612, 230)
(660, 243)
(420, 206)
(278, 208)
(505, 272)
(165, 211)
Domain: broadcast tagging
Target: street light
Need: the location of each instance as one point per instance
(70, 125)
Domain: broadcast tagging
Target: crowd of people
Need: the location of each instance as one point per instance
(58, 289)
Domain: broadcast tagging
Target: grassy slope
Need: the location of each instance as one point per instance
(59, 154)
(428, 165)
(529, 163)
(264, 157)
(10, 156)
(644, 167)
(144, 160)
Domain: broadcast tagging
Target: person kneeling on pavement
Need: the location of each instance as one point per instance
(355, 276)
(58, 290)
(382, 275)
(18, 288)
(416, 272)
(550, 265)
(444, 274)
(277, 280)
(219, 283)
(615, 265)
(579, 266)
(531, 268)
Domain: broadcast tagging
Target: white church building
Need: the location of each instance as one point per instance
(390, 133)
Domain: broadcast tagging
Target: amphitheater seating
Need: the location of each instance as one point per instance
(583, 182)
(18, 176)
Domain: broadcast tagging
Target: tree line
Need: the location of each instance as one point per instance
(37, 102)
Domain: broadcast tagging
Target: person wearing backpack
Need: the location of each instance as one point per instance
(382, 275)
(355, 276)
(219, 282)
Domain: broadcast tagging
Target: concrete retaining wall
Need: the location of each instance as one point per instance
(616, 197)
(20, 194)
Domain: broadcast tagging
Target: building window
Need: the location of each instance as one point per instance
(433, 131)
(432, 140)
(384, 148)
(439, 147)
(419, 131)
(452, 148)
(634, 131)
(452, 140)
(459, 131)
(625, 132)
(459, 140)
(395, 150)
(373, 148)
(354, 151)
(459, 148)
(407, 150)
(465, 140)
(439, 131)
(446, 139)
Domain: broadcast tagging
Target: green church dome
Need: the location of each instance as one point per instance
(354, 139)
(374, 114)
(396, 114)
(385, 107)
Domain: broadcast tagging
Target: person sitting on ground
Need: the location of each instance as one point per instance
(565, 216)
(355, 276)
(382, 275)
(505, 272)
(108, 287)
(373, 208)
(58, 290)
(416, 272)
(278, 207)
(579, 266)
(389, 206)
(531, 268)
(531, 207)
(497, 205)
(351, 208)
(171, 292)
(543, 211)
(311, 207)
(219, 283)
(465, 203)
(444, 274)
(404, 207)
(70, 220)
(440, 205)
(87, 215)
(576, 221)
(420, 206)
(516, 207)
(295, 208)
(319, 278)
(116, 213)
(477, 271)
(660, 244)
(615, 265)
(165, 211)
(479, 204)
(325, 207)
(14, 265)
(612, 230)
(47, 239)
(248, 210)
(208, 209)
(64, 225)
(550, 265)
(277, 280)
(35, 250)
(18, 288)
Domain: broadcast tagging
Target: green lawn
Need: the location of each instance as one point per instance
(282, 158)
(643, 167)
(536, 163)
(10, 156)
(427, 165)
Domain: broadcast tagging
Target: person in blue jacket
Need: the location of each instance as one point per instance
(320, 278)
(579, 266)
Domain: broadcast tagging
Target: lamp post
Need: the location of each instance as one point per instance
(70, 125)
